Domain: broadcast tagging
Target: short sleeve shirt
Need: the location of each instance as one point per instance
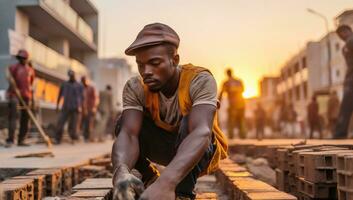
(203, 90)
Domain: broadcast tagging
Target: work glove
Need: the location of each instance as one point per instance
(127, 187)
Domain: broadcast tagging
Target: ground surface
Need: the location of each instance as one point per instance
(64, 155)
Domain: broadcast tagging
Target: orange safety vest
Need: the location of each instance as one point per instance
(188, 73)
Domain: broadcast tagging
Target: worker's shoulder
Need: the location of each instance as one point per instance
(134, 82)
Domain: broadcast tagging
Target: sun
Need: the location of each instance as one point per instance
(250, 92)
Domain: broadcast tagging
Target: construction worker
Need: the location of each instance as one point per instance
(333, 106)
(314, 117)
(234, 89)
(90, 104)
(23, 76)
(71, 92)
(169, 118)
(260, 121)
(346, 110)
(105, 108)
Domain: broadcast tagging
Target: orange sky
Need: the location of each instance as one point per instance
(254, 37)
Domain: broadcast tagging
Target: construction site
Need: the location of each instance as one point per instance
(97, 101)
(316, 169)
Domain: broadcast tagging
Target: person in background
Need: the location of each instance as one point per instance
(260, 121)
(234, 89)
(314, 117)
(291, 119)
(105, 110)
(71, 92)
(23, 76)
(341, 132)
(332, 110)
(90, 104)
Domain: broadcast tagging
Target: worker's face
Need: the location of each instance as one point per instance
(345, 34)
(72, 77)
(156, 66)
(22, 61)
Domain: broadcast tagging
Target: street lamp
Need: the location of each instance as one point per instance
(327, 43)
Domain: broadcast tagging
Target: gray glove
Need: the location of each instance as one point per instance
(127, 187)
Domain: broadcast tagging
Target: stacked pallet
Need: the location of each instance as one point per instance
(241, 185)
(345, 176)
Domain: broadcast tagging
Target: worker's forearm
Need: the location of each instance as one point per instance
(188, 155)
(125, 151)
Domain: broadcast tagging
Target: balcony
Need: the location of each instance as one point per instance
(49, 61)
(55, 18)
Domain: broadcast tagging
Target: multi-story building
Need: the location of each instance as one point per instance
(115, 72)
(59, 35)
(315, 70)
(268, 91)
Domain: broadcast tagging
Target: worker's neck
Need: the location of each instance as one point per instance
(172, 85)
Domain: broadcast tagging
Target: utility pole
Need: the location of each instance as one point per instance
(327, 43)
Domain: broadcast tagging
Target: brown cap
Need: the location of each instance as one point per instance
(153, 34)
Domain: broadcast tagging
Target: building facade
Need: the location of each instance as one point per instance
(58, 34)
(115, 72)
(318, 69)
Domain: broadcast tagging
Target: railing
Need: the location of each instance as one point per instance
(71, 17)
(51, 59)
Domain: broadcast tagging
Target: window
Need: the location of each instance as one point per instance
(297, 93)
(305, 89)
(296, 67)
(304, 62)
(337, 46)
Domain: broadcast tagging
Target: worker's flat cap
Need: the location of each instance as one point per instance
(153, 34)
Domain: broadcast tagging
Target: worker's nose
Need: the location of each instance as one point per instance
(147, 71)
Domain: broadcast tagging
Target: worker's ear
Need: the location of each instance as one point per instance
(176, 60)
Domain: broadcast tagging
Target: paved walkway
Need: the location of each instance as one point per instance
(64, 155)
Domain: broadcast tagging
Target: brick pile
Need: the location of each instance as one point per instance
(241, 185)
(309, 172)
(345, 176)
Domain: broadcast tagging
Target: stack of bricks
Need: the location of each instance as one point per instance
(241, 185)
(345, 176)
(53, 180)
(283, 156)
(93, 188)
(316, 172)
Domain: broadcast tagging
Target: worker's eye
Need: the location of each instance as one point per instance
(155, 62)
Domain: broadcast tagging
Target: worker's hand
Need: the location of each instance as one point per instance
(159, 190)
(127, 187)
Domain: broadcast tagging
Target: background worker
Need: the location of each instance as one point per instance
(90, 104)
(314, 118)
(105, 110)
(333, 108)
(71, 92)
(260, 121)
(341, 132)
(234, 89)
(23, 76)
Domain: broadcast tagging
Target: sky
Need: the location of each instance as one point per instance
(253, 37)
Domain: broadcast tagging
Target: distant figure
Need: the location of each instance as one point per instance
(23, 75)
(345, 113)
(332, 110)
(71, 92)
(90, 104)
(260, 121)
(105, 110)
(314, 117)
(291, 120)
(236, 108)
